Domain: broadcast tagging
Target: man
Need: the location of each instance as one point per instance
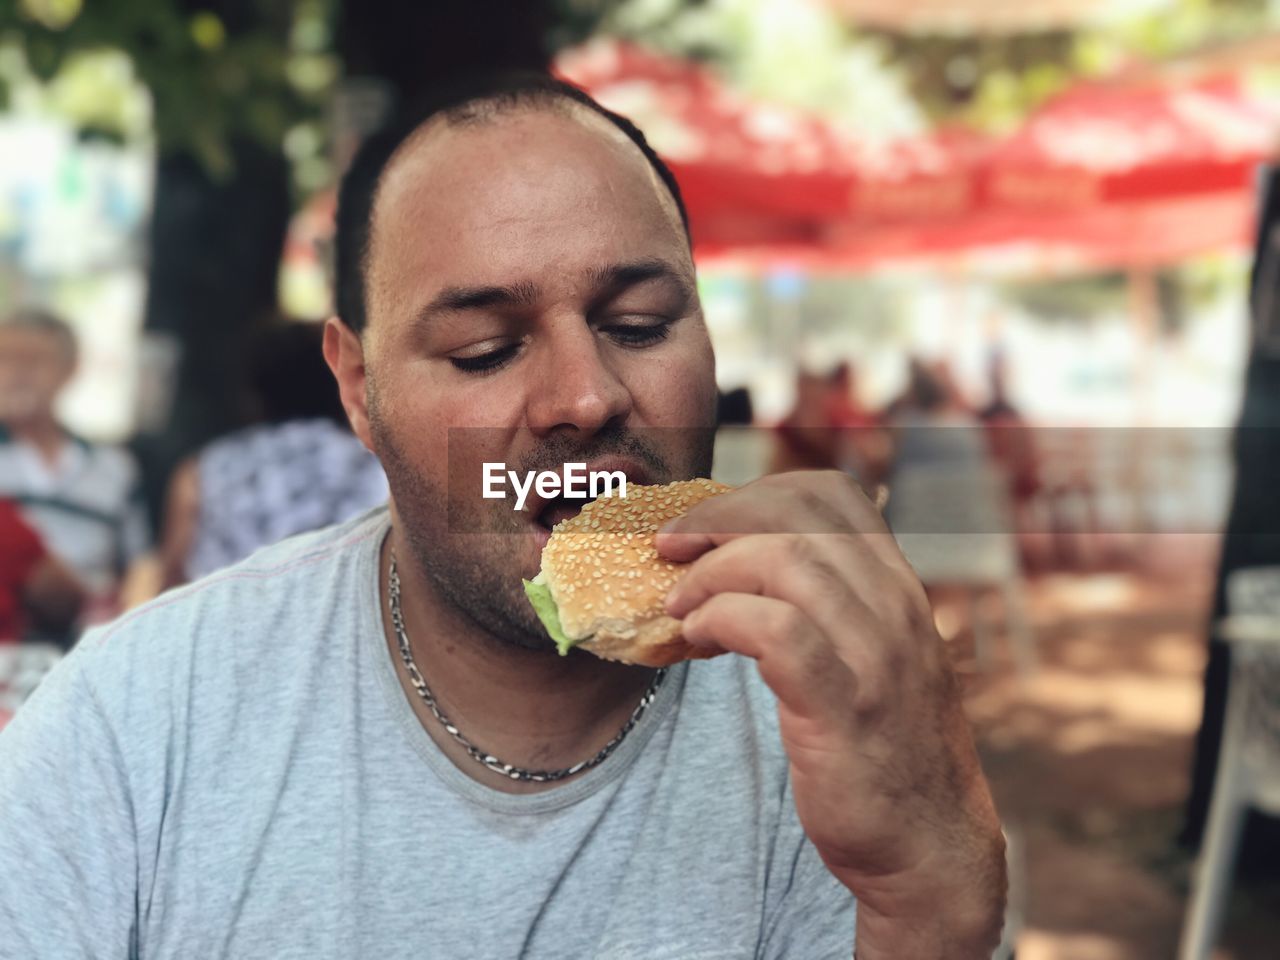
(82, 498)
(245, 768)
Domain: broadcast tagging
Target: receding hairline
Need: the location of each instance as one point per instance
(487, 111)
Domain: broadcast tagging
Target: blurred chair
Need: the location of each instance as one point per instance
(22, 667)
(955, 525)
(1249, 761)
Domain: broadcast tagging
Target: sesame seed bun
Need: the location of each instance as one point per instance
(608, 581)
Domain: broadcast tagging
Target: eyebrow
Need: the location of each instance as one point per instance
(456, 299)
(611, 280)
(606, 282)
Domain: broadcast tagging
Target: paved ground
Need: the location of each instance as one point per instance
(1089, 760)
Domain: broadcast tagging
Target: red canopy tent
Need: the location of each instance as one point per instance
(760, 174)
(1106, 175)
(1134, 175)
(1113, 144)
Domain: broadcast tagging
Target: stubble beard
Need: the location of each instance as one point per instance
(469, 572)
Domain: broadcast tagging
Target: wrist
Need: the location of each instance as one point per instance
(943, 934)
(940, 912)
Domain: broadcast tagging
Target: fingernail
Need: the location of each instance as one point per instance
(673, 598)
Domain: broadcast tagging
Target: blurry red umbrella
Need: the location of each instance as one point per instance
(1129, 175)
(1111, 143)
(755, 173)
(1123, 236)
(1141, 235)
(1103, 176)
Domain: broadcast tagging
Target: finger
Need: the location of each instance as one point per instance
(687, 547)
(880, 499)
(752, 509)
(815, 502)
(830, 578)
(795, 660)
(837, 493)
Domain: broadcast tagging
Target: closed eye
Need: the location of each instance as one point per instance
(632, 335)
(639, 334)
(486, 362)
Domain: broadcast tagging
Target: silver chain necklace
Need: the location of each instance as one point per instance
(475, 753)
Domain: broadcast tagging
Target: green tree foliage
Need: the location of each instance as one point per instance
(993, 81)
(803, 54)
(215, 73)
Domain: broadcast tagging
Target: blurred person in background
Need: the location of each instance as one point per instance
(805, 439)
(34, 586)
(1012, 442)
(844, 409)
(931, 424)
(932, 435)
(999, 409)
(298, 468)
(862, 444)
(83, 498)
(939, 492)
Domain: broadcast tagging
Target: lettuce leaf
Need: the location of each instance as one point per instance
(544, 606)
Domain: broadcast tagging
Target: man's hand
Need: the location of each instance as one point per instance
(798, 572)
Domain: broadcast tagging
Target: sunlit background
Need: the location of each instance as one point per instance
(1069, 185)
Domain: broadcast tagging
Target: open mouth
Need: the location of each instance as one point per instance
(546, 513)
(560, 508)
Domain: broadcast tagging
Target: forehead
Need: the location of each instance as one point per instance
(525, 195)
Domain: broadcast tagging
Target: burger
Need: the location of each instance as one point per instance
(602, 583)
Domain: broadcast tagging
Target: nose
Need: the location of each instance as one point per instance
(575, 386)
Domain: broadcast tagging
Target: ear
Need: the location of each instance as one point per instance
(344, 353)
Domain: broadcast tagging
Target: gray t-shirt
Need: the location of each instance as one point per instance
(234, 771)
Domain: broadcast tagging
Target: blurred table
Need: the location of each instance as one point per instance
(22, 667)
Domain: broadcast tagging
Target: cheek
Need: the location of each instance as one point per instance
(437, 397)
(447, 430)
(679, 391)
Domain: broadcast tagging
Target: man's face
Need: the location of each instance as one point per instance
(531, 301)
(34, 367)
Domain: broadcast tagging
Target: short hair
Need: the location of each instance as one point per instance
(468, 100)
(47, 322)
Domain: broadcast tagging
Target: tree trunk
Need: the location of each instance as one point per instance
(215, 247)
(214, 256)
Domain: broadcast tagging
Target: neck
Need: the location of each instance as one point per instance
(41, 431)
(530, 708)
